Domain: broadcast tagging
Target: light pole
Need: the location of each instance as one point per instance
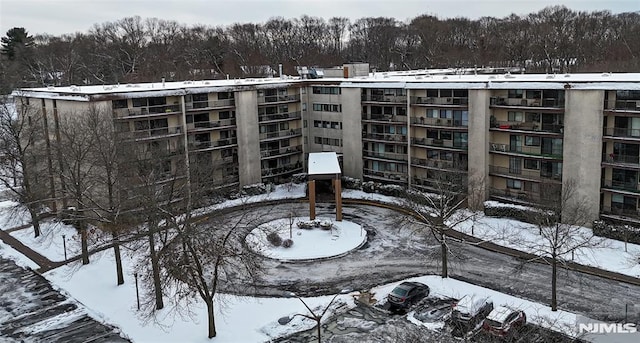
(315, 317)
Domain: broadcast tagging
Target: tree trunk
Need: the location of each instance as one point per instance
(156, 272)
(84, 244)
(445, 267)
(116, 252)
(554, 281)
(211, 318)
(35, 221)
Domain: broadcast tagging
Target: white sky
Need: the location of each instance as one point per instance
(67, 16)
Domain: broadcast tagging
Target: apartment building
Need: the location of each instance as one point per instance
(522, 134)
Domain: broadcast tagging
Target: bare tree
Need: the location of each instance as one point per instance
(21, 133)
(560, 217)
(438, 208)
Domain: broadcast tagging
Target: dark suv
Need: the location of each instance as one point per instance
(407, 293)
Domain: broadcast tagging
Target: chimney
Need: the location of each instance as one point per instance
(163, 82)
(280, 69)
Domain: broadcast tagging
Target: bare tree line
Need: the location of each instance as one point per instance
(133, 49)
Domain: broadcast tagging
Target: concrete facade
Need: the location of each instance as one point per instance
(247, 123)
(352, 133)
(479, 120)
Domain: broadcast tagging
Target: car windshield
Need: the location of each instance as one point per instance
(399, 291)
(493, 323)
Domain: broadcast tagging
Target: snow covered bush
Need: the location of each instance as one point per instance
(287, 243)
(351, 183)
(369, 187)
(274, 239)
(299, 178)
(625, 233)
(391, 190)
(255, 189)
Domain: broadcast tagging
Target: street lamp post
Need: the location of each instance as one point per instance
(315, 317)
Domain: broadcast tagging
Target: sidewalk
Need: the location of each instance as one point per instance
(44, 263)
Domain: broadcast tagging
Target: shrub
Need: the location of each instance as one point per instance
(287, 243)
(391, 190)
(274, 239)
(351, 183)
(299, 178)
(623, 233)
(369, 187)
(255, 189)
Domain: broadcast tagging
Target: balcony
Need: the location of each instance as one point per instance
(515, 195)
(386, 175)
(546, 103)
(281, 170)
(439, 122)
(279, 117)
(155, 133)
(621, 185)
(626, 105)
(439, 164)
(207, 125)
(280, 134)
(385, 137)
(620, 210)
(269, 99)
(439, 143)
(622, 132)
(524, 173)
(209, 105)
(210, 145)
(555, 153)
(620, 159)
(449, 101)
(527, 126)
(147, 111)
(395, 99)
(385, 155)
(384, 118)
(292, 150)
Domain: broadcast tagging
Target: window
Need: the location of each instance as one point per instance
(532, 117)
(139, 102)
(317, 123)
(460, 93)
(432, 93)
(515, 164)
(514, 184)
(326, 90)
(431, 113)
(515, 116)
(118, 103)
(515, 93)
(531, 141)
(448, 114)
(446, 93)
(532, 164)
(445, 135)
(327, 107)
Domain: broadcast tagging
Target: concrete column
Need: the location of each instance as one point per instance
(478, 151)
(582, 148)
(337, 187)
(248, 137)
(351, 132)
(312, 199)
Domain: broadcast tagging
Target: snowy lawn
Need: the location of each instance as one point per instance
(307, 243)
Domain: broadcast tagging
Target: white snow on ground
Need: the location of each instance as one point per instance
(21, 260)
(247, 319)
(307, 243)
(356, 194)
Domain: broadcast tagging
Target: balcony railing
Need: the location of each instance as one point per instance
(616, 158)
(622, 132)
(528, 126)
(516, 194)
(147, 110)
(389, 137)
(439, 122)
(203, 105)
(440, 143)
(385, 155)
(527, 150)
(387, 175)
(621, 185)
(281, 151)
(518, 102)
(282, 169)
(213, 144)
(279, 116)
(211, 124)
(420, 100)
(628, 105)
(620, 210)
(385, 118)
(399, 99)
(282, 133)
(524, 173)
(156, 132)
(278, 98)
(439, 164)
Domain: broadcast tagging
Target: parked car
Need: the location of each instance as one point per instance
(407, 293)
(471, 308)
(503, 321)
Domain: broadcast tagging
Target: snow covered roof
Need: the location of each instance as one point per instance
(412, 79)
(499, 314)
(323, 163)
